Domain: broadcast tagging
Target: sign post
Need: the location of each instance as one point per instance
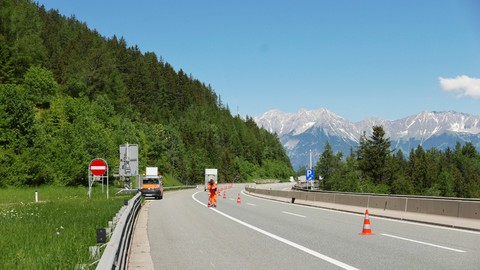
(310, 176)
(97, 169)
(310, 173)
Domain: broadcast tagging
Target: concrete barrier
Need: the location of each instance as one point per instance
(353, 200)
(453, 212)
(433, 207)
(324, 197)
(388, 203)
(469, 210)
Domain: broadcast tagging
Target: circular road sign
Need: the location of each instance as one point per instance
(98, 167)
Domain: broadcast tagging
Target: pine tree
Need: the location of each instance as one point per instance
(6, 67)
(328, 165)
(375, 153)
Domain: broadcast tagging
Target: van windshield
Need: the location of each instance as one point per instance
(151, 181)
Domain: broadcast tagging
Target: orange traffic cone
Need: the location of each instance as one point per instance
(238, 199)
(366, 225)
(224, 195)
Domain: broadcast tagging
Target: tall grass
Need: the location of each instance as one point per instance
(170, 181)
(54, 233)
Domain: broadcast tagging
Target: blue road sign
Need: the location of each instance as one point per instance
(310, 175)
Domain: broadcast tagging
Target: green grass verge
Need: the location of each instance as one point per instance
(54, 233)
(169, 181)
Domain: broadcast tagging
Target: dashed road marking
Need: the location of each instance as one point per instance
(293, 214)
(423, 243)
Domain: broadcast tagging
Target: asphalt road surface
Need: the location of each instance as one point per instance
(261, 234)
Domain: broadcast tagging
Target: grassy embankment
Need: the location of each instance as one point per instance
(170, 181)
(54, 233)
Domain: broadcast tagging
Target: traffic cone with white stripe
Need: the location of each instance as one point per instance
(366, 225)
(224, 195)
(238, 199)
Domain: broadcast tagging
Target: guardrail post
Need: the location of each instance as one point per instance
(94, 252)
(109, 232)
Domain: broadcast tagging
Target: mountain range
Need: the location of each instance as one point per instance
(307, 130)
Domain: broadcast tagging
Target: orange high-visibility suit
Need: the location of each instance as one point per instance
(212, 199)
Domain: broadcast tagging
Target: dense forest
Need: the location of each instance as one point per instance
(68, 95)
(374, 168)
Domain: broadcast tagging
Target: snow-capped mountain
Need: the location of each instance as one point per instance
(304, 130)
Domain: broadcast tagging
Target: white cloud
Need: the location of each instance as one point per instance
(461, 85)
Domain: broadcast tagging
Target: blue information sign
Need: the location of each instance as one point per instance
(310, 175)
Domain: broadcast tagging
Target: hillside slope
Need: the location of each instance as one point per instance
(68, 95)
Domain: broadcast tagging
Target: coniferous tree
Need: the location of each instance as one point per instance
(375, 153)
(328, 166)
(6, 68)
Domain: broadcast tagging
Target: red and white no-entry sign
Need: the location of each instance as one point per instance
(98, 167)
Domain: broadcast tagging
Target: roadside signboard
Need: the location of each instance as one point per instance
(310, 175)
(98, 167)
(128, 160)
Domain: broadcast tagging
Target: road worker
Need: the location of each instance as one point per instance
(212, 199)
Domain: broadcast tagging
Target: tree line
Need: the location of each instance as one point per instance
(68, 95)
(374, 168)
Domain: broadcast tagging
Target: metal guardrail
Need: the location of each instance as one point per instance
(116, 251)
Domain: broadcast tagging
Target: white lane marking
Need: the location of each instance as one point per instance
(293, 214)
(283, 240)
(423, 243)
(358, 214)
(251, 204)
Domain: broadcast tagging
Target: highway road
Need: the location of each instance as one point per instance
(261, 234)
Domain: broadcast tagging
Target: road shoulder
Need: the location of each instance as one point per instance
(139, 257)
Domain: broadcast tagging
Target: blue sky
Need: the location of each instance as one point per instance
(359, 59)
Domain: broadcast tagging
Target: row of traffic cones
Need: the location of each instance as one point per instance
(223, 187)
(239, 201)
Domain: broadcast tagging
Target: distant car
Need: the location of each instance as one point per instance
(152, 186)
